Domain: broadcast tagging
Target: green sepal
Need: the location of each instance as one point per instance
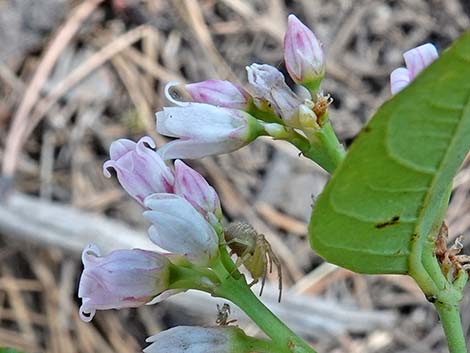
(313, 84)
(192, 277)
(262, 111)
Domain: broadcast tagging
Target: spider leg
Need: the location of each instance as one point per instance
(270, 259)
(270, 253)
(278, 264)
(240, 261)
(231, 321)
(264, 276)
(279, 278)
(237, 241)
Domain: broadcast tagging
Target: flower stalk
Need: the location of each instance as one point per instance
(452, 325)
(321, 146)
(284, 340)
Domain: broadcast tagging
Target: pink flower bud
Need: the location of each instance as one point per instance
(195, 189)
(194, 339)
(268, 83)
(399, 79)
(140, 170)
(204, 130)
(179, 228)
(416, 60)
(122, 279)
(303, 53)
(219, 93)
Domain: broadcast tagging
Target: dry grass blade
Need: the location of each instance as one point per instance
(136, 86)
(191, 12)
(281, 220)
(20, 122)
(20, 308)
(87, 67)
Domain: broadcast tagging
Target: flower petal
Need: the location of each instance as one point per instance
(417, 59)
(194, 149)
(399, 79)
(194, 339)
(219, 93)
(179, 228)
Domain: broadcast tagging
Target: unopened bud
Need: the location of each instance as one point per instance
(195, 189)
(275, 130)
(307, 117)
(416, 60)
(303, 54)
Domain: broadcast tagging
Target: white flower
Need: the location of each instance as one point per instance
(121, 279)
(268, 83)
(194, 339)
(179, 228)
(204, 130)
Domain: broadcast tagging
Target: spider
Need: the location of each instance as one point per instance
(254, 252)
(223, 314)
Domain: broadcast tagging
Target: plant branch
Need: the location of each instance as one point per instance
(237, 291)
(450, 320)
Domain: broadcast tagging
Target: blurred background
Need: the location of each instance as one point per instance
(76, 75)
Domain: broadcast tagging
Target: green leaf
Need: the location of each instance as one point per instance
(378, 211)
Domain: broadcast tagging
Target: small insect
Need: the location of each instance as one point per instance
(254, 252)
(223, 314)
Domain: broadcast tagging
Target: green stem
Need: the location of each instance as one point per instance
(429, 260)
(450, 320)
(323, 147)
(446, 294)
(261, 346)
(226, 260)
(237, 291)
(319, 144)
(326, 143)
(224, 256)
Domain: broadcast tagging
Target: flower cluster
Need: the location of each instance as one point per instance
(219, 116)
(212, 117)
(183, 210)
(185, 216)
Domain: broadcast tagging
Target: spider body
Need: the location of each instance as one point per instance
(253, 251)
